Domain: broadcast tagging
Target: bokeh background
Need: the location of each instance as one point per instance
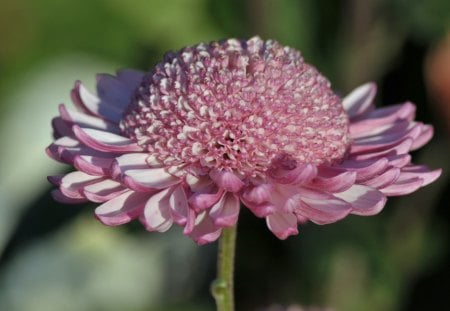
(57, 257)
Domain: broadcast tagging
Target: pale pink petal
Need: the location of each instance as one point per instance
(424, 137)
(103, 191)
(86, 121)
(399, 160)
(384, 116)
(322, 209)
(394, 149)
(333, 180)
(365, 201)
(359, 101)
(384, 141)
(92, 165)
(282, 224)
(105, 141)
(421, 171)
(395, 127)
(410, 180)
(152, 178)
(386, 178)
(128, 161)
(179, 206)
(225, 212)
(157, 215)
(365, 169)
(204, 230)
(226, 180)
(73, 183)
(301, 174)
(121, 209)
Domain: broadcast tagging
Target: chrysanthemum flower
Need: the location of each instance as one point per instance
(214, 125)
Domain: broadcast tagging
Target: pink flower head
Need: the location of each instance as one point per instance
(214, 125)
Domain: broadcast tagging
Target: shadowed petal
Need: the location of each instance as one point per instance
(121, 209)
(365, 201)
(103, 191)
(105, 141)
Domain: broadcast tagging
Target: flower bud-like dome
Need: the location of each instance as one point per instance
(236, 105)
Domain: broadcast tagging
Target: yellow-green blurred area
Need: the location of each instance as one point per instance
(58, 257)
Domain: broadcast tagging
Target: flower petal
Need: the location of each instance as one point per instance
(383, 116)
(301, 174)
(257, 194)
(92, 165)
(322, 209)
(384, 179)
(202, 201)
(282, 224)
(105, 141)
(225, 212)
(152, 178)
(90, 102)
(103, 191)
(156, 215)
(365, 201)
(86, 121)
(179, 206)
(333, 180)
(128, 161)
(121, 209)
(359, 101)
(204, 230)
(226, 180)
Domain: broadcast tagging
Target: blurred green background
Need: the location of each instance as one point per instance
(56, 257)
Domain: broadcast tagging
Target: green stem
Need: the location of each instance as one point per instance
(222, 287)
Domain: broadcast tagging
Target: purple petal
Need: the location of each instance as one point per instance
(394, 149)
(424, 137)
(57, 195)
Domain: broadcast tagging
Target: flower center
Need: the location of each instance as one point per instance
(236, 105)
